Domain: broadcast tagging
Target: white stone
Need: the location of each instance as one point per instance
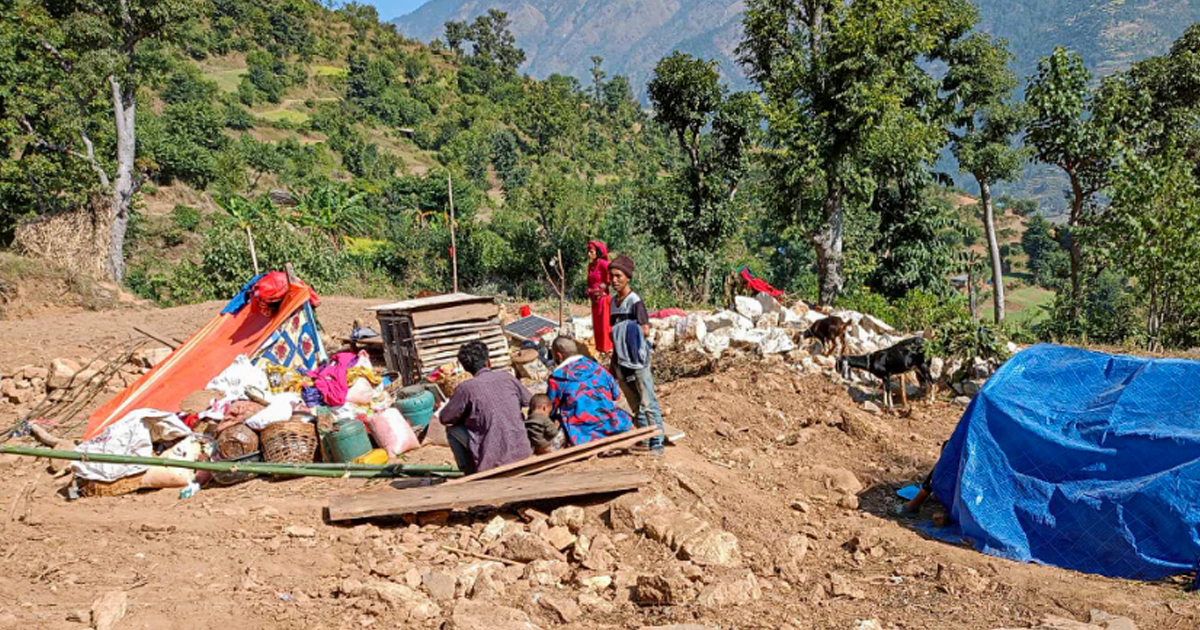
(694, 328)
(790, 319)
(741, 322)
(876, 325)
(768, 321)
(719, 320)
(776, 342)
(152, 356)
(768, 303)
(494, 530)
(748, 307)
(666, 338)
(1012, 348)
(715, 343)
(747, 339)
(813, 317)
(936, 365)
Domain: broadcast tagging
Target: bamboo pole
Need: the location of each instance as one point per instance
(261, 468)
(453, 240)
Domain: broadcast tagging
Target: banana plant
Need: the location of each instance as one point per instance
(333, 211)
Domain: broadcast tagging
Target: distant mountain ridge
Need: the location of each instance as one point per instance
(561, 36)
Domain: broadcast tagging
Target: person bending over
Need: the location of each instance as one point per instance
(483, 418)
(584, 396)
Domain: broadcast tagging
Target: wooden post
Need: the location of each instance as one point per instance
(557, 287)
(562, 287)
(291, 275)
(253, 255)
(453, 240)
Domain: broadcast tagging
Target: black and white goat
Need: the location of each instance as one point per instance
(898, 360)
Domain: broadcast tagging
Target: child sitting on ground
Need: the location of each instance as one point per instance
(545, 433)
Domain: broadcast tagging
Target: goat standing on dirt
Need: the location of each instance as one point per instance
(898, 360)
(830, 331)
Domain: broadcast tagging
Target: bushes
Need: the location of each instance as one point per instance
(185, 218)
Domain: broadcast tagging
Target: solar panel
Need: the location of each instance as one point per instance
(531, 327)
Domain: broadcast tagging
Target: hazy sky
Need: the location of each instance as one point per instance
(389, 9)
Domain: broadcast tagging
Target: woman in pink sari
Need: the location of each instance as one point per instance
(597, 290)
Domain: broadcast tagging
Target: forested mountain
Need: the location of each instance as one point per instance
(183, 146)
(631, 35)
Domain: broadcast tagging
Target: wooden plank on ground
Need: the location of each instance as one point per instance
(594, 447)
(544, 466)
(490, 493)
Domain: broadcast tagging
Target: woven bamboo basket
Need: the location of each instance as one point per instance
(451, 382)
(289, 442)
(124, 485)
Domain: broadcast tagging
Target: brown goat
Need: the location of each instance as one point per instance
(831, 331)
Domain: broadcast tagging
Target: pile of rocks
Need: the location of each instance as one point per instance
(29, 385)
(758, 325)
(761, 327)
(564, 565)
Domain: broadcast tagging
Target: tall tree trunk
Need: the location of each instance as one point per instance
(1076, 253)
(125, 184)
(828, 243)
(972, 299)
(989, 226)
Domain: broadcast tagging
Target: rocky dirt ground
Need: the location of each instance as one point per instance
(772, 513)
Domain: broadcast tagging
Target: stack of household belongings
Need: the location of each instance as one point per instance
(420, 336)
(254, 384)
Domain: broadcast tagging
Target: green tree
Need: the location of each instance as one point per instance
(597, 80)
(919, 237)
(1152, 229)
(1042, 249)
(688, 98)
(979, 82)
(91, 57)
(845, 89)
(1064, 132)
(494, 43)
(552, 113)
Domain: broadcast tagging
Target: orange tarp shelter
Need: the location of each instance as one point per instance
(201, 358)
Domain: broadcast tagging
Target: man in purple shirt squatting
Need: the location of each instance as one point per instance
(483, 418)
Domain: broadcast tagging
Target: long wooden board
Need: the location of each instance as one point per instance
(594, 447)
(490, 493)
(454, 328)
(461, 313)
(455, 342)
(537, 469)
(443, 355)
(438, 357)
(444, 300)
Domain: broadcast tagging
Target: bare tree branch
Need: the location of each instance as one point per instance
(89, 157)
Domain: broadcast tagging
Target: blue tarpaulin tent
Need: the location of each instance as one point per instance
(1082, 460)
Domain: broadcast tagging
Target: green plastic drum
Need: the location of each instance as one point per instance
(348, 441)
(416, 407)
